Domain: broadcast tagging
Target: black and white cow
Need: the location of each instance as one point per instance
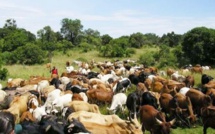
(75, 127)
(122, 85)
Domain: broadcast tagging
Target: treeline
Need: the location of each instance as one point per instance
(19, 46)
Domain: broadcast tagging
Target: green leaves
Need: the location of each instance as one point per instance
(199, 45)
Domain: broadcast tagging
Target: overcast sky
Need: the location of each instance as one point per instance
(113, 17)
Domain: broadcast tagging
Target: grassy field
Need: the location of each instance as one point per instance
(59, 60)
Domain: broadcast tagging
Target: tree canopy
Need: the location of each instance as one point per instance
(199, 45)
(194, 47)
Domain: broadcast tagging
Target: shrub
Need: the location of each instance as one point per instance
(3, 74)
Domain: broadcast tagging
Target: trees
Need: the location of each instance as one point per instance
(199, 45)
(14, 37)
(3, 71)
(28, 54)
(106, 39)
(136, 40)
(71, 29)
(117, 48)
(171, 39)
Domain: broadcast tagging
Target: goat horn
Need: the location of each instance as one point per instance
(158, 121)
(172, 121)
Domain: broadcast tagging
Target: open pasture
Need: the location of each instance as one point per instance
(59, 61)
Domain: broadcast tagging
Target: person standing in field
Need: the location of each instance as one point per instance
(54, 72)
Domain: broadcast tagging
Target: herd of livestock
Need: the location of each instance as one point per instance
(70, 103)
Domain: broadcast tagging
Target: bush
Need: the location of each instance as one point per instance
(3, 74)
(29, 54)
(147, 59)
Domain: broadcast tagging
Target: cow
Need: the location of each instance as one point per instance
(92, 74)
(19, 106)
(60, 102)
(170, 71)
(3, 94)
(7, 121)
(99, 123)
(76, 96)
(75, 127)
(189, 81)
(181, 107)
(39, 112)
(208, 117)
(51, 124)
(42, 84)
(164, 101)
(206, 78)
(141, 87)
(198, 99)
(122, 85)
(14, 82)
(29, 127)
(26, 88)
(99, 96)
(83, 106)
(207, 86)
(134, 79)
(95, 117)
(27, 116)
(118, 101)
(148, 99)
(113, 128)
(154, 121)
(47, 106)
(56, 82)
(196, 69)
(33, 102)
(5, 104)
(211, 93)
(132, 103)
(105, 77)
(177, 77)
(76, 89)
(206, 67)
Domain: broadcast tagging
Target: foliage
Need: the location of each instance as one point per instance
(3, 73)
(16, 38)
(162, 58)
(136, 40)
(165, 57)
(117, 48)
(66, 45)
(199, 46)
(194, 47)
(147, 59)
(151, 39)
(28, 54)
(171, 39)
(86, 47)
(179, 54)
(71, 29)
(106, 39)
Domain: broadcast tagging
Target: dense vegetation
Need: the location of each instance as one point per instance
(19, 46)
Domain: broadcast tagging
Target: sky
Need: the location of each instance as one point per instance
(113, 17)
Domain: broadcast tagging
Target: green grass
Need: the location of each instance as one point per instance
(59, 60)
